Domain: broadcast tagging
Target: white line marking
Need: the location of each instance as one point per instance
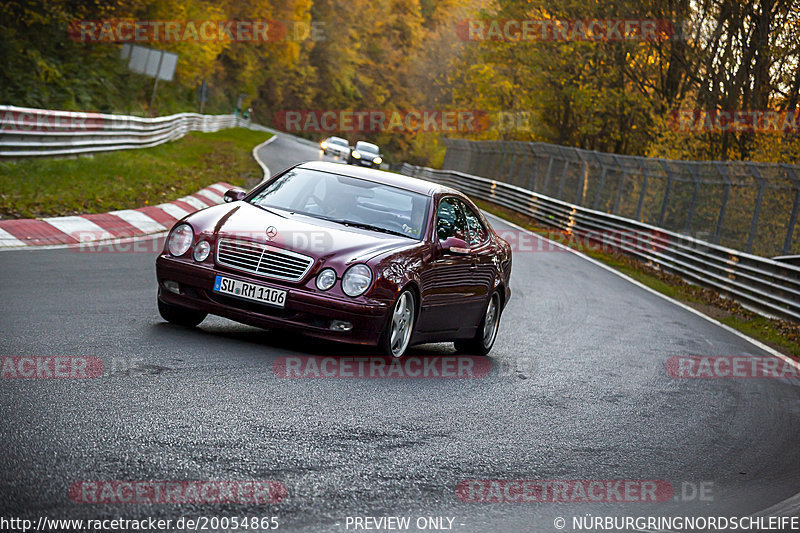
(78, 227)
(194, 202)
(139, 220)
(263, 165)
(174, 210)
(213, 196)
(6, 239)
(738, 333)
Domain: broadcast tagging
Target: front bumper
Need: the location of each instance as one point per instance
(365, 163)
(305, 310)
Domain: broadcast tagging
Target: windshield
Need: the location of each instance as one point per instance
(367, 147)
(347, 200)
(337, 140)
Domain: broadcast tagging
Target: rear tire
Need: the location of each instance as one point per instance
(180, 316)
(399, 328)
(485, 335)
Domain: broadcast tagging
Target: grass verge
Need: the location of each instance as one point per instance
(782, 335)
(128, 178)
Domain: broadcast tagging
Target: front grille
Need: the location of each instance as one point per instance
(263, 260)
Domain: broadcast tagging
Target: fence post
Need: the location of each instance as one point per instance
(757, 208)
(621, 185)
(724, 173)
(667, 190)
(787, 241)
(474, 158)
(497, 159)
(599, 192)
(534, 167)
(582, 182)
(547, 176)
(693, 202)
(563, 177)
(644, 190)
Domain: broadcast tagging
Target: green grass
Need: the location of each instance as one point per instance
(781, 335)
(128, 178)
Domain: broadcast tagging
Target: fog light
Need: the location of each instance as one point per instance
(172, 286)
(201, 251)
(341, 325)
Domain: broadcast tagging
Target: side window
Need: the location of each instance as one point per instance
(477, 231)
(450, 221)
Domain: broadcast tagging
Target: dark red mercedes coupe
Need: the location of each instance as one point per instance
(343, 253)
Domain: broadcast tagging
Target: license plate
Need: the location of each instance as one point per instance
(250, 291)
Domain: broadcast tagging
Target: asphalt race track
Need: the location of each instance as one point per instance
(578, 391)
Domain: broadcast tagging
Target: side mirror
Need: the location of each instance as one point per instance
(454, 245)
(233, 195)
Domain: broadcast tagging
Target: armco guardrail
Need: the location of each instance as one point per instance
(764, 285)
(26, 132)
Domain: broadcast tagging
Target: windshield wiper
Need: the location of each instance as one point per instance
(268, 210)
(363, 225)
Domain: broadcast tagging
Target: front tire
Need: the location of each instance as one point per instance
(482, 342)
(180, 316)
(400, 326)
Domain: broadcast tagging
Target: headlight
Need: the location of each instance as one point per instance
(356, 280)
(377, 160)
(326, 279)
(180, 240)
(356, 155)
(201, 251)
(323, 145)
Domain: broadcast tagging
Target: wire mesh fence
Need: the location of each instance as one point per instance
(742, 205)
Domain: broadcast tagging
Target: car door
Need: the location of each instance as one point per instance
(483, 254)
(450, 297)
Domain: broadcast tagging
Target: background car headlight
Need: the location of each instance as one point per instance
(356, 280)
(180, 240)
(377, 160)
(326, 279)
(323, 145)
(201, 251)
(356, 155)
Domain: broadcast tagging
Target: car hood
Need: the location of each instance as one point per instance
(317, 238)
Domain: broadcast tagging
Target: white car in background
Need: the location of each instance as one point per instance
(336, 146)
